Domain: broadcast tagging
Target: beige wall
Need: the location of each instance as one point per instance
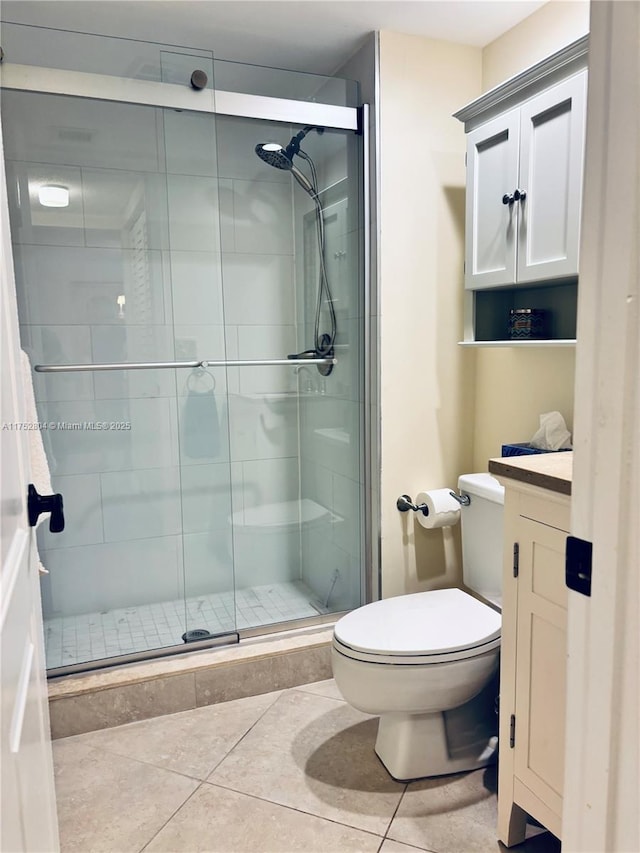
(553, 26)
(427, 380)
(514, 386)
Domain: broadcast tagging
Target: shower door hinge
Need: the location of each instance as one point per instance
(516, 559)
(512, 731)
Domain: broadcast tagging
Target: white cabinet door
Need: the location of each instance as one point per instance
(492, 172)
(552, 127)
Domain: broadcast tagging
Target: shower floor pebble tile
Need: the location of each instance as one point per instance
(287, 771)
(92, 636)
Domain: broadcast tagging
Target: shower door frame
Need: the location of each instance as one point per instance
(102, 87)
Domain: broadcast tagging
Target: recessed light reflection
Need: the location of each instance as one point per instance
(53, 195)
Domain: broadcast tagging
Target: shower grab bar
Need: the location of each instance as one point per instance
(161, 365)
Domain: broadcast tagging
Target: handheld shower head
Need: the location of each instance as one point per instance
(278, 157)
(274, 154)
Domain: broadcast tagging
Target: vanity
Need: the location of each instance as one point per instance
(533, 646)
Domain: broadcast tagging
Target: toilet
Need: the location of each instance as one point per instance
(427, 663)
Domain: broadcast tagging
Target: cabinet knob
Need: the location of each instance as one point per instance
(508, 199)
(519, 195)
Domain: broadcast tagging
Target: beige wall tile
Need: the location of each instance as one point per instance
(221, 684)
(117, 705)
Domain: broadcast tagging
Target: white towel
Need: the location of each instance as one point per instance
(40, 474)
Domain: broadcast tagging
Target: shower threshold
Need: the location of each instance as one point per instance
(100, 635)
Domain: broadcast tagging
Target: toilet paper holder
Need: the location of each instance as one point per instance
(404, 503)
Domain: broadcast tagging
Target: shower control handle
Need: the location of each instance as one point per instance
(37, 504)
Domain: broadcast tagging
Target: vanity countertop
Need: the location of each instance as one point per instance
(551, 471)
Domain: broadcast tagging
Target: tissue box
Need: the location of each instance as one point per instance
(524, 450)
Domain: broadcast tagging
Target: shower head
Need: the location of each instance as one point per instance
(274, 154)
(277, 156)
(282, 158)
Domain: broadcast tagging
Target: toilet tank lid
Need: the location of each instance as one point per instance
(483, 486)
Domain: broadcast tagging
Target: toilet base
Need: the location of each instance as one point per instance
(415, 746)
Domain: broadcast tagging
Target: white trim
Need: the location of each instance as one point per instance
(104, 87)
(602, 757)
(559, 65)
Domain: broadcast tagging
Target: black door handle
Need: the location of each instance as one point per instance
(37, 504)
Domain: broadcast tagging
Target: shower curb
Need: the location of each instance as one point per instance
(102, 699)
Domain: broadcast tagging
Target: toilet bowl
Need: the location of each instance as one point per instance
(427, 663)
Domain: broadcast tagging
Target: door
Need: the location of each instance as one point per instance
(491, 214)
(552, 127)
(28, 811)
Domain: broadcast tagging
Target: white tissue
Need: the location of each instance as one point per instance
(443, 509)
(553, 433)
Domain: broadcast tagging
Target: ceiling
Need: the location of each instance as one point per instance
(301, 35)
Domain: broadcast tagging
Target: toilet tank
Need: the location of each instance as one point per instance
(482, 535)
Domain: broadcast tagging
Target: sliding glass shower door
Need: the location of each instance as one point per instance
(212, 484)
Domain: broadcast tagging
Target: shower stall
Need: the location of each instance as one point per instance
(194, 322)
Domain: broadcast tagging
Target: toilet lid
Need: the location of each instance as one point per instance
(422, 623)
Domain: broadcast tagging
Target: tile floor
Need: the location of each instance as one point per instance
(287, 771)
(92, 636)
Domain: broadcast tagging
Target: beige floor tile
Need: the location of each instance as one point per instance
(111, 804)
(314, 754)
(326, 688)
(191, 742)
(217, 820)
(448, 814)
(389, 846)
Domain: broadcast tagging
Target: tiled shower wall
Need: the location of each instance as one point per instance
(174, 212)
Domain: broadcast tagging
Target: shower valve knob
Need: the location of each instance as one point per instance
(37, 504)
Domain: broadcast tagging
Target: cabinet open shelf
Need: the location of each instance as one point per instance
(488, 313)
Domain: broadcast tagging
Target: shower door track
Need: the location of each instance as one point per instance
(219, 641)
(104, 87)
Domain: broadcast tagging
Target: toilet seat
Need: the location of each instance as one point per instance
(422, 628)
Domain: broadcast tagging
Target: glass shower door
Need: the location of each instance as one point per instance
(128, 271)
(295, 429)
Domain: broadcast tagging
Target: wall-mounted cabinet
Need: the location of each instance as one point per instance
(525, 156)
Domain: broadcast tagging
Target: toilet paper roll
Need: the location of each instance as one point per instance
(444, 510)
